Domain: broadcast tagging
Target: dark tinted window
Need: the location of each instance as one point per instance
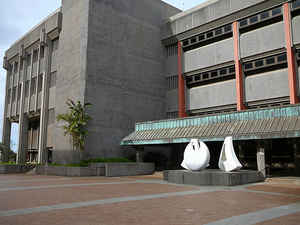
(276, 11)
(197, 77)
(296, 4)
(248, 66)
(201, 37)
(223, 71)
(244, 23)
(270, 60)
(264, 15)
(185, 42)
(253, 19)
(282, 58)
(193, 40)
(209, 34)
(205, 75)
(259, 63)
(228, 28)
(214, 73)
(232, 69)
(189, 79)
(218, 31)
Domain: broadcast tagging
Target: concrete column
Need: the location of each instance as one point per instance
(42, 158)
(30, 81)
(294, 99)
(261, 162)
(11, 84)
(18, 79)
(181, 85)
(238, 68)
(37, 79)
(6, 131)
(23, 121)
(297, 158)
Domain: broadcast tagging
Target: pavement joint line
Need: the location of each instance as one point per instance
(49, 208)
(269, 193)
(32, 180)
(62, 186)
(259, 216)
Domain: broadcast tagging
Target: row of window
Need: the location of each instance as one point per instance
(208, 37)
(296, 4)
(172, 82)
(269, 63)
(298, 55)
(223, 73)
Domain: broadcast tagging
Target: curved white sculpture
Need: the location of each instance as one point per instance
(196, 156)
(228, 160)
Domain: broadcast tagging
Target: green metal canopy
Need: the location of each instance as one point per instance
(270, 123)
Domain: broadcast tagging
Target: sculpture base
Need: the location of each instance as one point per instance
(213, 177)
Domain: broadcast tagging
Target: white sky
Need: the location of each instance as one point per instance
(17, 17)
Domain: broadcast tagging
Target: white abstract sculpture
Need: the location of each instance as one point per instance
(228, 160)
(196, 156)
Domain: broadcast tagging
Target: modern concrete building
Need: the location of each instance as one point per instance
(108, 53)
(232, 69)
(223, 68)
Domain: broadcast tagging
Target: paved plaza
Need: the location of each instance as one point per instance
(32, 200)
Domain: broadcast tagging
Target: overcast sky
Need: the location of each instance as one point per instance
(17, 17)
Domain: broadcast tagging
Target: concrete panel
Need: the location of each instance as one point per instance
(52, 97)
(32, 102)
(296, 29)
(209, 55)
(258, 87)
(171, 66)
(206, 12)
(258, 41)
(172, 100)
(128, 169)
(212, 95)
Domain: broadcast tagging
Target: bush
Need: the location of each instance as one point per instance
(85, 163)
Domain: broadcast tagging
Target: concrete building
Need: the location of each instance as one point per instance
(223, 68)
(107, 53)
(232, 69)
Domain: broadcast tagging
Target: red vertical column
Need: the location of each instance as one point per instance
(294, 99)
(238, 68)
(181, 85)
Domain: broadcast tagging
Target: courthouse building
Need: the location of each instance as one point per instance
(222, 68)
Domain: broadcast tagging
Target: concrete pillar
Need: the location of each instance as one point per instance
(297, 158)
(11, 88)
(260, 156)
(6, 133)
(294, 99)
(42, 158)
(23, 121)
(30, 81)
(238, 68)
(181, 85)
(21, 55)
(37, 79)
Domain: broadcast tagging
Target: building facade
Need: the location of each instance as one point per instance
(107, 53)
(223, 68)
(232, 69)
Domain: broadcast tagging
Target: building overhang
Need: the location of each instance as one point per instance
(270, 123)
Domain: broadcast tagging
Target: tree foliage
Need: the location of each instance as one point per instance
(76, 120)
(11, 154)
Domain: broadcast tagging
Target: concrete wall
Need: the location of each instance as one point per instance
(263, 40)
(206, 12)
(125, 77)
(71, 71)
(172, 100)
(218, 94)
(267, 85)
(296, 29)
(171, 66)
(209, 55)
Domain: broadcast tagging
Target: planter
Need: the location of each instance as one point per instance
(66, 171)
(14, 168)
(123, 169)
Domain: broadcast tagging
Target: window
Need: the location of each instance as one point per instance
(186, 42)
(214, 73)
(223, 71)
(201, 37)
(33, 86)
(26, 88)
(276, 11)
(218, 31)
(52, 79)
(296, 4)
(210, 34)
(264, 15)
(40, 84)
(270, 60)
(228, 28)
(8, 95)
(248, 66)
(259, 63)
(282, 58)
(232, 69)
(19, 92)
(197, 77)
(205, 76)
(244, 22)
(193, 40)
(253, 19)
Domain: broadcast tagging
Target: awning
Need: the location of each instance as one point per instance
(271, 123)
